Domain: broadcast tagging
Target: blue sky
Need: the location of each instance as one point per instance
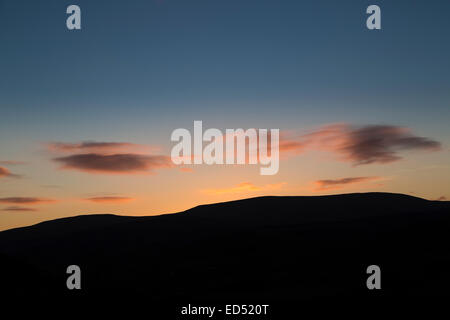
(164, 57)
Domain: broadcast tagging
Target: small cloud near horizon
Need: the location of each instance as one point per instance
(109, 199)
(332, 184)
(19, 209)
(25, 200)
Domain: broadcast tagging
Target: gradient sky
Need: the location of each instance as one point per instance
(140, 69)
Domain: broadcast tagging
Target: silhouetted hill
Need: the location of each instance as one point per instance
(267, 248)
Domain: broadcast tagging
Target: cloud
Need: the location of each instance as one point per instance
(108, 157)
(109, 199)
(98, 147)
(114, 163)
(245, 187)
(25, 200)
(340, 183)
(12, 163)
(360, 145)
(6, 173)
(17, 209)
(289, 145)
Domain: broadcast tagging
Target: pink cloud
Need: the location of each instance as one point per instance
(114, 163)
(12, 163)
(332, 184)
(360, 145)
(25, 200)
(19, 209)
(109, 199)
(6, 173)
(108, 157)
(99, 147)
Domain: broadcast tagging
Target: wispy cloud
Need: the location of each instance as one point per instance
(19, 209)
(12, 163)
(25, 200)
(109, 199)
(6, 173)
(360, 145)
(99, 147)
(332, 184)
(115, 163)
(108, 157)
(245, 187)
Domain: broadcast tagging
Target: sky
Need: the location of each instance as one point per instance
(86, 115)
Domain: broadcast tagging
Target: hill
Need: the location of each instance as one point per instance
(267, 248)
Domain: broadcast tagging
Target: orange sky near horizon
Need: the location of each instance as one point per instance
(42, 189)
